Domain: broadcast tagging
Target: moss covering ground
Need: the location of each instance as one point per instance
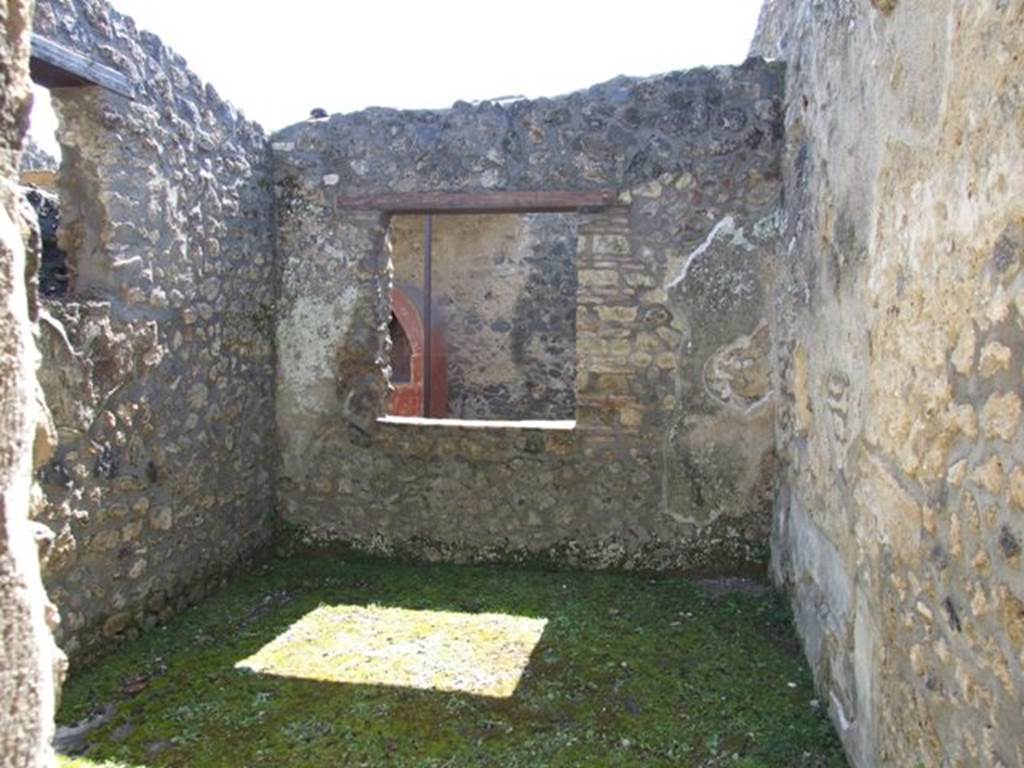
(629, 671)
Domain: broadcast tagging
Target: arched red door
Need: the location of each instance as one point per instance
(407, 336)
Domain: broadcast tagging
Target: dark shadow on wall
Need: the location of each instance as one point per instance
(544, 320)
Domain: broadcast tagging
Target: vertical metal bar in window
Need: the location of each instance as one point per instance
(428, 331)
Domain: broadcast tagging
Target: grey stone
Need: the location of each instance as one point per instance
(74, 739)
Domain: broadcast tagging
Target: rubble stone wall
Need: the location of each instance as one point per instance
(899, 345)
(159, 364)
(670, 463)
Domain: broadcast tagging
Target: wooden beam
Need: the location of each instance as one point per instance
(54, 66)
(479, 202)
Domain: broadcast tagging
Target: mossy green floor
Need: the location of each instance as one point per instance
(629, 671)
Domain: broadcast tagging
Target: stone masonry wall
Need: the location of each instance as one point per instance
(899, 341)
(31, 666)
(506, 288)
(159, 364)
(671, 461)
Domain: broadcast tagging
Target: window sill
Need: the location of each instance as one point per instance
(417, 421)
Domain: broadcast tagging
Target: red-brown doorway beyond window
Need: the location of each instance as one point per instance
(406, 329)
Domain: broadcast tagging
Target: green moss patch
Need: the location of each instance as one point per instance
(363, 663)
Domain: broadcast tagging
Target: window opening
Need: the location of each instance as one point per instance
(54, 66)
(501, 313)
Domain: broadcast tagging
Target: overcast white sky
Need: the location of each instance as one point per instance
(276, 61)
